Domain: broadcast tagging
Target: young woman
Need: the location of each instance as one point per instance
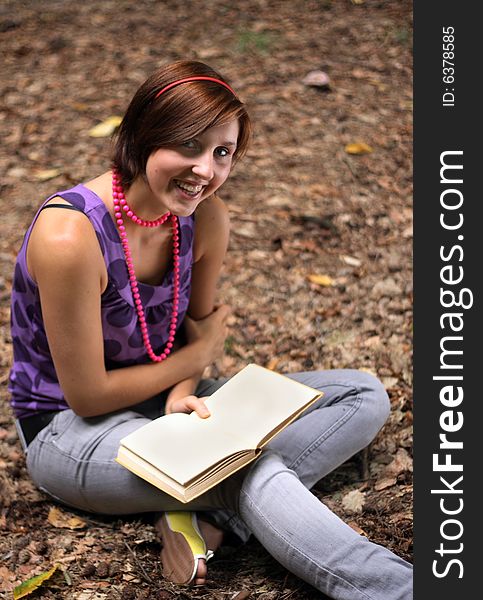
(114, 321)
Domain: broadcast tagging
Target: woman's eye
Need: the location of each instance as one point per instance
(222, 152)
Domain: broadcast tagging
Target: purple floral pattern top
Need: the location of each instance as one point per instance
(33, 384)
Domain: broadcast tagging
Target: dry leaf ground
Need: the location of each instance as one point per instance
(319, 267)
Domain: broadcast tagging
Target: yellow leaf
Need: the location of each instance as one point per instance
(358, 148)
(367, 370)
(27, 587)
(106, 128)
(356, 528)
(321, 279)
(380, 86)
(82, 106)
(58, 518)
(46, 174)
(273, 363)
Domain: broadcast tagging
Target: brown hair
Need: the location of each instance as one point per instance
(177, 115)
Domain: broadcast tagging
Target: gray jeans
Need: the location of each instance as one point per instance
(72, 459)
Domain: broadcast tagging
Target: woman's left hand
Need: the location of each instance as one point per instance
(188, 404)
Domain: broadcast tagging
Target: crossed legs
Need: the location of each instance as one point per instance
(72, 459)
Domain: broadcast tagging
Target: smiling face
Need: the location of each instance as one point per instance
(179, 178)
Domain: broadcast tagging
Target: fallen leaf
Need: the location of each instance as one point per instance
(243, 595)
(401, 462)
(382, 87)
(67, 577)
(89, 595)
(82, 106)
(209, 53)
(309, 245)
(408, 232)
(58, 518)
(17, 172)
(316, 79)
(94, 585)
(384, 483)
(356, 528)
(6, 578)
(350, 260)
(385, 287)
(401, 516)
(27, 587)
(106, 128)
(358, 148)
(368, 370)
(8, 489)
(389, 382)
(321, 280)
(46, 174)
(130, 578)
(248, 230)
(273, 363)
(353, 501)
(372, 341)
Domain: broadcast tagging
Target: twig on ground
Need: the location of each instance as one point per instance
(351, 168)
(138, 563)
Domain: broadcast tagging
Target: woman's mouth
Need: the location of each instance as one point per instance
(188, 188)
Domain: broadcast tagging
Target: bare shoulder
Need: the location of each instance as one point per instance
(212, 210)
(212, 226)
(63, 240)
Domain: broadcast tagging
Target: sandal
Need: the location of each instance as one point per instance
(183, 546)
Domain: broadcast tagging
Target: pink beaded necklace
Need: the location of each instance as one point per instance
(120, 206)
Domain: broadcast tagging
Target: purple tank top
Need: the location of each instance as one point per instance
(33, 384)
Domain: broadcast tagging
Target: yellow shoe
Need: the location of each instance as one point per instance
(183, 546)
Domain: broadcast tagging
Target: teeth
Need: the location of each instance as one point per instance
(193, 189)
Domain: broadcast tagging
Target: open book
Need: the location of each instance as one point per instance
(185, 455)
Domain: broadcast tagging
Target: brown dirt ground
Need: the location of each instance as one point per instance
(301, 205)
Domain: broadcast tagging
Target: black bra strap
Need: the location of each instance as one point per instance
(69, 206)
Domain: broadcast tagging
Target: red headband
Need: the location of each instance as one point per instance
(196, 78)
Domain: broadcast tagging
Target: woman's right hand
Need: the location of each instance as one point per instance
(210, 331)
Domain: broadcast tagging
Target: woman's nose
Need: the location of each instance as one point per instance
(203, 166)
